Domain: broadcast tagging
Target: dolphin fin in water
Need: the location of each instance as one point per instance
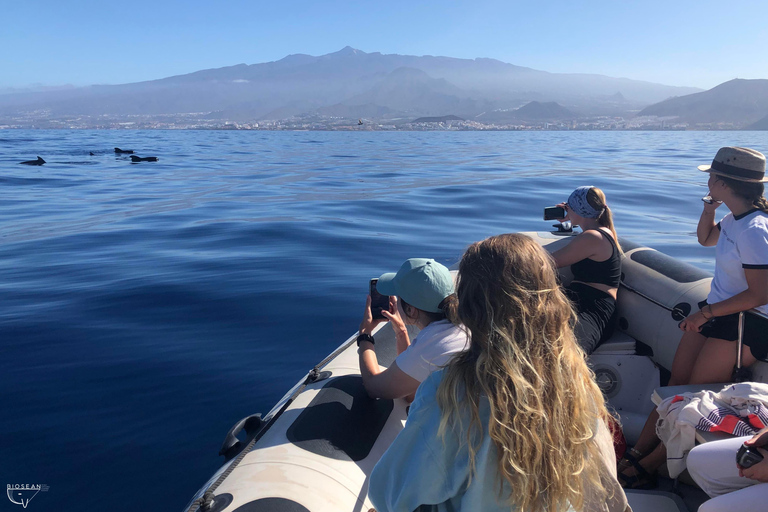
(39, 161)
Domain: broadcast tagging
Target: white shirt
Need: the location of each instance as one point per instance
(743, 243)
(432, 348)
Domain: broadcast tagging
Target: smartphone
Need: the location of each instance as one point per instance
(554, 212)
(379, 302)
(748, 456)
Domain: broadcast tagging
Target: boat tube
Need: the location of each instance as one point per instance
(314, 451)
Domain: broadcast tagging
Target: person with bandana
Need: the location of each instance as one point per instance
(595, 260)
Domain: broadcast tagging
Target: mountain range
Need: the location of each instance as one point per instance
(352, 84)
(741, 103)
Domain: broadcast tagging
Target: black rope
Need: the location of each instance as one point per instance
(663, 306)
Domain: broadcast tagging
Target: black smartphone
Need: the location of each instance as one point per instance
(748, 456)
(379, 302)
(554, 212)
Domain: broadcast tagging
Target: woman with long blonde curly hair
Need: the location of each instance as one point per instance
(516, 422)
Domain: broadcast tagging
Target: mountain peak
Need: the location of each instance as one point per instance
(348, 50)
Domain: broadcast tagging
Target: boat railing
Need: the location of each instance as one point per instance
(741, 374)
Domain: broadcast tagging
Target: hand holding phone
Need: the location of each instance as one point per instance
(748, 456)
(379, 302)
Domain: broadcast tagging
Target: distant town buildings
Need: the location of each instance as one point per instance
(39, 119)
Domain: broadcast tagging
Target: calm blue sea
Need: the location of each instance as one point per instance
(147, 307)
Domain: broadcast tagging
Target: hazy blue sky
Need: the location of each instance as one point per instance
(678, 42)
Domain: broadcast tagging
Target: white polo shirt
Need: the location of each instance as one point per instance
(743, 243)
(432, 348)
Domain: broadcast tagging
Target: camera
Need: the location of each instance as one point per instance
(554, 212)
(748, 456)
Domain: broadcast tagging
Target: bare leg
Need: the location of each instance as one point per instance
(648, 439)
(648, 444)
(685, 358)
(716, 361)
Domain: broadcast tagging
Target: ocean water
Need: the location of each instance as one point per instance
(147, 307)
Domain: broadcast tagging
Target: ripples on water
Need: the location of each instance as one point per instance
(147, 307)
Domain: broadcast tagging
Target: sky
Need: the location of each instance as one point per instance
(698, 43)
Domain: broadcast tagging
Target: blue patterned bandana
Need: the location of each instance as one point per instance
(577, 202)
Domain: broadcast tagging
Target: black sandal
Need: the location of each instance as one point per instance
(641, 480)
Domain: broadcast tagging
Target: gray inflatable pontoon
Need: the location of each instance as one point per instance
(314, 451)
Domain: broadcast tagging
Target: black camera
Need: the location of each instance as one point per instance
(748, 456)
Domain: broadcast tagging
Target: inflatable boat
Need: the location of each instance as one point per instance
(314, 451)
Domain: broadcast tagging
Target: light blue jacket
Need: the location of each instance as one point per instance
(419, 469)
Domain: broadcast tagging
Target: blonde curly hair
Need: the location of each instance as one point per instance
(523, 357)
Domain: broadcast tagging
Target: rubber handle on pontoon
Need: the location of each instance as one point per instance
(250, 424)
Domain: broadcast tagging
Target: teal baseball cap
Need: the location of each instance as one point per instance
(421, 282)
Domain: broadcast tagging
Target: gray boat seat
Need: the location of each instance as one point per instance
(654, 501)
(620, 343)
(662, 393)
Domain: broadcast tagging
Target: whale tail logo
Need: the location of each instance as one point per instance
(23, 494)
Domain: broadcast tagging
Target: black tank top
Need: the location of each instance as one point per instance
(606, 272)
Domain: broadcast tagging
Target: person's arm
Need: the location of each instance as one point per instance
(583, 246)
(417, 468)
(755, 295)
(753, 250)
(389, 383)
(707, 231)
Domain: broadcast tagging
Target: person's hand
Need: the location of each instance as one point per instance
(393, 315)
(693, 322)
(564, 206)
(759, 439)
(710, 208)
(369, 323)
(759, 471)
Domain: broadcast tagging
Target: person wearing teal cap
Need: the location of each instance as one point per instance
(421, 294)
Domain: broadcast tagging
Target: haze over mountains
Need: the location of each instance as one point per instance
(354, 84)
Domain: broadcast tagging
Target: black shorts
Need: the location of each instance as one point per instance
(727, 328)
(595, 311)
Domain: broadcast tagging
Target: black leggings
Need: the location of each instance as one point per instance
(595, 310)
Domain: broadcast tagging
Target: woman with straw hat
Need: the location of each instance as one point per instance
(707, 351)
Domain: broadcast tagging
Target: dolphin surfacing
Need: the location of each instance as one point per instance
(39, 161)
(124, 151)
(135, 158)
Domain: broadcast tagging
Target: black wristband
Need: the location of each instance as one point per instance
(365, 337)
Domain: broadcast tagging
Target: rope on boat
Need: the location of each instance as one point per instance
(676, 311)
(204, 502)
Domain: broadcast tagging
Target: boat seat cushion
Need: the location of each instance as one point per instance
(662, 393)
(341, 422)
(618, 343)
(658, 501)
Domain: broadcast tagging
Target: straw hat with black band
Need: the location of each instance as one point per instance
(742, 164)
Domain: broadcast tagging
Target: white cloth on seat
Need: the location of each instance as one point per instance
(681, 415)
